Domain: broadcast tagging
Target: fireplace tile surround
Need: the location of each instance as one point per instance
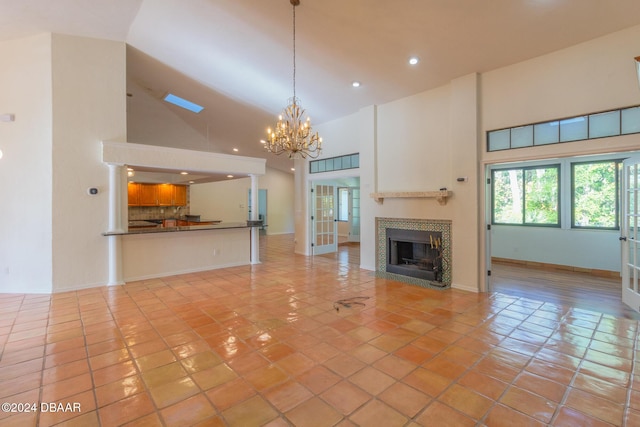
(441, 226)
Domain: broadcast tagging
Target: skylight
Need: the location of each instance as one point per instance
(183, 103)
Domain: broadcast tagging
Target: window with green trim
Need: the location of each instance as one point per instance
(595, 194)
(526, 196)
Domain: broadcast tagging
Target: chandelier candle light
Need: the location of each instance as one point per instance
(292, 133)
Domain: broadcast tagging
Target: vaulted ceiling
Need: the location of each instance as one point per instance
(234, 57)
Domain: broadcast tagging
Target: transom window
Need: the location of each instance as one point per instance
(622, 121)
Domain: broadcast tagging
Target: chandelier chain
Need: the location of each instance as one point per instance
(292, 134)
(294, 51)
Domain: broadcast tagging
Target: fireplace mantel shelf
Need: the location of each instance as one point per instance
(441, 195)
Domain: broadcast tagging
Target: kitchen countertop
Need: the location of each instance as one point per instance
(219, 226)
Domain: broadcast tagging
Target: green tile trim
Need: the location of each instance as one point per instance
(441, 226)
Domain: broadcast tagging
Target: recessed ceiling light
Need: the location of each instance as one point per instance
(293, 169)
(235, 149)
(355, 84)
(184, 173)
(191, 182)
(183, 103)
(229, 176)
(414, 60)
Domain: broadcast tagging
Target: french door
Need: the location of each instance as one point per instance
(629, 236)
(323, 219)
(354, 217)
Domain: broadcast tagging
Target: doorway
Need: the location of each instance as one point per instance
(581, 241)
(262, 207)
(335, 214)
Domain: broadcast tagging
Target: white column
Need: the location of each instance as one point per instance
(255, 237)
(115, 224)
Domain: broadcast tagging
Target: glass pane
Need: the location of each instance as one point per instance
(346, 162)
(522, 136)
(573, 129)
(499, 140)
(322, 166)
(594, 195)
(314, 167)
(631, 120)
(507, 196)
(604, 124)
(541, 196)
(355, 161)
(546, 133)
(343, 208)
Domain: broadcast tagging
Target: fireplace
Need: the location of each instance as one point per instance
(414, 251)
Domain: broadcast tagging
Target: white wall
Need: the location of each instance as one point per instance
(227, 200)
(419, 143)
(89, 105)
(594, 76)
(26, 169)
(67, 94)
(164, 254)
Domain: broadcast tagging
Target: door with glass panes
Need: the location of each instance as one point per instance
(323, 219)
(630, 238)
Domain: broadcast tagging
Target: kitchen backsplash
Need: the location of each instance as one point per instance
(137, 213)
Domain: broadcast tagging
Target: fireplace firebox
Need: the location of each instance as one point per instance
(415, 253)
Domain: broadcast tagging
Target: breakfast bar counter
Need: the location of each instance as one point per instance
(146, 253)
(139, 228)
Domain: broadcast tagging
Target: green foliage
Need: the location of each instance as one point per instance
(595, 194)
(526, 196)
(532, 195)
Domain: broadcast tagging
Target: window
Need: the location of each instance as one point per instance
(595, 195)
(622, 121)
(343, 204)
(578, 193)
(350, 161)
(526, 196)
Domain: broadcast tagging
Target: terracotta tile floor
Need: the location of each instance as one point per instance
(265, 345)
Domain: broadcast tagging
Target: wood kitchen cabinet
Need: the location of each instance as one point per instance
(148, 195)
(141, 194)
(165, 195)
(133, 189)
(179, 195)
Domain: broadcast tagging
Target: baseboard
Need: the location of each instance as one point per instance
(557, 267)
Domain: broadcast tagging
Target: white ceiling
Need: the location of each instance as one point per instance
(234, 57)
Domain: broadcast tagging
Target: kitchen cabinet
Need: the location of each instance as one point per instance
(141, 194)
(165, 195)
(148, 195)
(133, 189)
(180, 195)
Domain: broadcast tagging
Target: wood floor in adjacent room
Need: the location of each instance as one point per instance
(560, 287)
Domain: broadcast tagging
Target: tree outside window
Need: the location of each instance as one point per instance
(526, 196)
(595, 194)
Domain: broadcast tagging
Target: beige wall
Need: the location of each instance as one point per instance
(227, 200)
(26, 167)
(89, 106)
(67, 94)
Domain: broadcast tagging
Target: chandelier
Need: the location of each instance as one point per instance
(292, 133)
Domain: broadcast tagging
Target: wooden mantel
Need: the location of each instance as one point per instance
(440, 195)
